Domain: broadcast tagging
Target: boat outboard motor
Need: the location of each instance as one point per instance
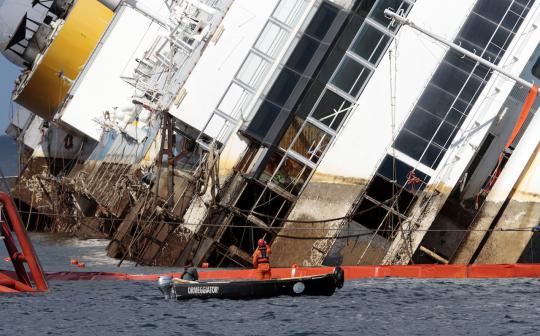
(339, 277)
(165, 285)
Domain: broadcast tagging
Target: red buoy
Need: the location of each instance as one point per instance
(81, 265)
(74, 261)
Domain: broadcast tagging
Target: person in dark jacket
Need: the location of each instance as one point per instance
(190, 272)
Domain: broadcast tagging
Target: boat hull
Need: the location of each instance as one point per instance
(320, 285)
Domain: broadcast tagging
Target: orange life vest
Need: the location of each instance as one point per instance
(263, 258)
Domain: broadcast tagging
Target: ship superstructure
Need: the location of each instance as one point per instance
(190, 129)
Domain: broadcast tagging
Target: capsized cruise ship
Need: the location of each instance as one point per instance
(342, 131)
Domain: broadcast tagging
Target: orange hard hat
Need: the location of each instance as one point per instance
(261, 243)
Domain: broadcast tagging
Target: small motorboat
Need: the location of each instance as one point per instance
(324, 284)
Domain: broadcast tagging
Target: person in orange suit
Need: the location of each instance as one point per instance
(261, 260)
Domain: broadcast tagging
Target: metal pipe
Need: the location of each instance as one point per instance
(18, 265)
(24, 242)
(405, 21)
(433, 255)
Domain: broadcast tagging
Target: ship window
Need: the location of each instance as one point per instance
(310, 143)
(242, 235)
(433, 156)
(477, 31)
(471, 89)
(303, 53)
(253, 70)
(351, 76)
(377, 13)
(404, 201)
(322, 21)
(283, 86)
(334, 58)
(331, 109)
(292, 130)
(444, 135)
(527, 3)
(373, 216)
(235, 101)
(492, 10)
(382, 190)
(271, 166)
(291, 175)
(310, 99)
(511, 20)
(422, 124)
(263, 120)
(449, 78)
(271, 207)
(271, 40)
(461, 60)
(216, 127)
(462, 106)
(397, 170)
(457, 82)
(499, 43)
(370, 214)
(410, 144)
(290, 11)
(536, 68)
(465, 63)
(436, 101)
(370, 44)
(455, 117)
(186, 154)
(249, 195)
(390, 194)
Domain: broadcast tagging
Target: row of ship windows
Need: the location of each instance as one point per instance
(369, 44)
(451, 92)
(440, 111)
(304, 142)
(254, 69)
(432, 125)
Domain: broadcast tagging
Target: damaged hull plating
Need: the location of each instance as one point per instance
(196, 128)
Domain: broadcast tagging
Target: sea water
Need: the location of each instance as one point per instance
(364, 307)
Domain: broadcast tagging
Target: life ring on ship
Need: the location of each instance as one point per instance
(339, 277)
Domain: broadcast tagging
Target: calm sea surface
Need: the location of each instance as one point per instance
(368, 307)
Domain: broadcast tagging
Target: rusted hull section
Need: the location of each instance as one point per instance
(319, 201)
(151, 233)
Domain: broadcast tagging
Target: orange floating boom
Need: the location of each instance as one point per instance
(428, 271)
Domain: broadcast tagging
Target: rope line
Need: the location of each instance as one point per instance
(530, 229)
